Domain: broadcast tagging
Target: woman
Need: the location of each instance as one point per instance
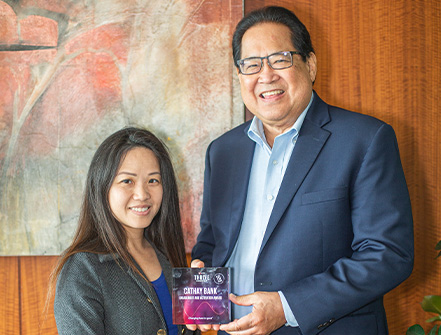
(115, 277)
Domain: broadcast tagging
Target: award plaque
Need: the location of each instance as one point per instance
(200, 295)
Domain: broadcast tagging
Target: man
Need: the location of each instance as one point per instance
(307, 203)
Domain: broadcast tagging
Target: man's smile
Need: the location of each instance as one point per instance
(271, 94)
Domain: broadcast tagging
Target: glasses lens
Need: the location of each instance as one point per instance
(250, 65)
(280, 60)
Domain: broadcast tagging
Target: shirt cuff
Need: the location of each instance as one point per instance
(289, 315)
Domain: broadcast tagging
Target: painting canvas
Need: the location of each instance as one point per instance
(73, 72)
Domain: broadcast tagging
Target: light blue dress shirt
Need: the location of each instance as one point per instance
(267, 171)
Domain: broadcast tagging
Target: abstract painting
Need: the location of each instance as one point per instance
(74, 71)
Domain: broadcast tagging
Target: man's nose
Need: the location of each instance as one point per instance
(267, 73)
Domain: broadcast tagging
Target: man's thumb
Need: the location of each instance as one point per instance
(241, 300)
(197, 263)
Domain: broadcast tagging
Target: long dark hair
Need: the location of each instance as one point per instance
(99, 231)
(300, 37)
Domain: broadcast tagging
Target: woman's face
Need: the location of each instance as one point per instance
(135, 195)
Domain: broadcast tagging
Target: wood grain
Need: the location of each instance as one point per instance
(34, 276)
(9, 296)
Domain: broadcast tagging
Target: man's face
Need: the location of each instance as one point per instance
(276, 97)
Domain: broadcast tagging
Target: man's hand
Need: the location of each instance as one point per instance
(266, 317)
(197, 263)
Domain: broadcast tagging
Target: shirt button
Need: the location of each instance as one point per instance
(269, 197)
(161, 332)
(275, 162)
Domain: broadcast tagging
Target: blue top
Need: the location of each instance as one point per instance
(161, 288)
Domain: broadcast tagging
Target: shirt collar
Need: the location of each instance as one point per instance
(257, 134)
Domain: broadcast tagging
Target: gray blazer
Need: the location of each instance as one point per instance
(94, 295)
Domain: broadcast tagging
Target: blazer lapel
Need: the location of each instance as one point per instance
(243, 158)
(238, 177)
(310, 142)
(145, 286)
(148, 290)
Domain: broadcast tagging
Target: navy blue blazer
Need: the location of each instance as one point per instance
(340, 234)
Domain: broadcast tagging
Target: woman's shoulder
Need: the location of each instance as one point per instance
(82, 263)
(84, 258)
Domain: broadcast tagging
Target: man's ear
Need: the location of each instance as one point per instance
(239, 76)
(311, 61)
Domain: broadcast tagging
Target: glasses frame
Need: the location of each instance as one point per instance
(240, 61)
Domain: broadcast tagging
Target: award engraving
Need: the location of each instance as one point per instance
(200, 295)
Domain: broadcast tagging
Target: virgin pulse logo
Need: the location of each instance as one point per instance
(218, 278)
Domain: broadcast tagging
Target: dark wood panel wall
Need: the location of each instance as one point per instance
(383, 58)
(376, 57)
(9, 293)
(23, 291)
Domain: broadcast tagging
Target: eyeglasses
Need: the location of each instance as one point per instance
(276, 61)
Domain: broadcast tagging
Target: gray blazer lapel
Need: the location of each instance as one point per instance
(310, 142)
(166, 268)
(148, 289)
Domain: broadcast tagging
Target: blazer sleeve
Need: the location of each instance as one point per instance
(78, 305)
(203, 249)
(382, 243)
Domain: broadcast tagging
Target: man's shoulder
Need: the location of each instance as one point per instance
(238, 131)
(352, 122)
(341, 116)
(233, 136)
(355, 129)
